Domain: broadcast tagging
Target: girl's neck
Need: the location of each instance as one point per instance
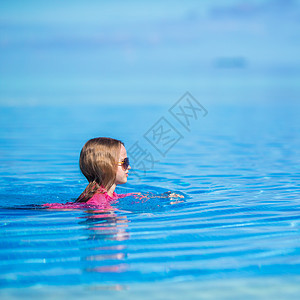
(111, 190)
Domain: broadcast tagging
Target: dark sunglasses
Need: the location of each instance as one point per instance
(124, 163)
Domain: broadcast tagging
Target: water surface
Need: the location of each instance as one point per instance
(238, 226)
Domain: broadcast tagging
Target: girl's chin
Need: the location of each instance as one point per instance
(123, 181)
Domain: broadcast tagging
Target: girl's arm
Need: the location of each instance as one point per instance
(139, 195)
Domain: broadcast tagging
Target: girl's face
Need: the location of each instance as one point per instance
(121, 176)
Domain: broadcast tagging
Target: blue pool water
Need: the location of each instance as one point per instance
(235, 234)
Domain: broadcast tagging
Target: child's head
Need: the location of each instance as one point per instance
(101, 162)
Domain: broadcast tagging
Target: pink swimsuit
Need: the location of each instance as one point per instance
(100, 200)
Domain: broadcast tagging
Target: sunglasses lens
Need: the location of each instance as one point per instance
(126, 163)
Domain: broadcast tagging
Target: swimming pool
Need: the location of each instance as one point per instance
(236, 234)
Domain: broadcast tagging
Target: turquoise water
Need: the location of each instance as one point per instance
(235, 234)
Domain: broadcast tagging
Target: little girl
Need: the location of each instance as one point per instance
(104, 163)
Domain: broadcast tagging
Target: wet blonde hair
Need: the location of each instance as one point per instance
(98, 163)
